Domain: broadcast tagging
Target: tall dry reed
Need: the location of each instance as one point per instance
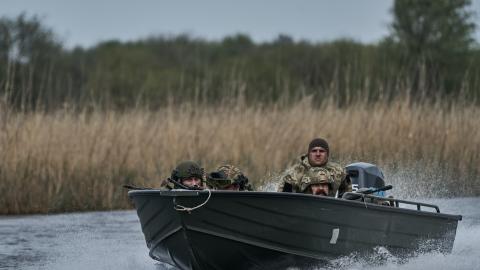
(74, 161)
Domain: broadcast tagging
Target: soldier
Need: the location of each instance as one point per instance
(317, 181)
(317, 156)
(228, 177)
(187, 175)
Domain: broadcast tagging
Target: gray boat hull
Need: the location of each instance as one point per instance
(265, 230)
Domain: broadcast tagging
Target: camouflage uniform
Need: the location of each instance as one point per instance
(166, 185)
(227, 175)
(293, 176)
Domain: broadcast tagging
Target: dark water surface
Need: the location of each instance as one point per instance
(113, 240)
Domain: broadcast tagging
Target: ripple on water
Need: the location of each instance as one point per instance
(113, 240)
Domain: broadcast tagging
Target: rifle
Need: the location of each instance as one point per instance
(360, 193)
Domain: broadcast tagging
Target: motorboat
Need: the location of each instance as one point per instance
(210, 229)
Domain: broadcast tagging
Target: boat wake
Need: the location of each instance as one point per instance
(465, 255)
(113, 240)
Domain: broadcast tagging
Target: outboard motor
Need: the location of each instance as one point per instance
(366, 175)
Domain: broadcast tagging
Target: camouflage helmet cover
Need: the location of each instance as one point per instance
(226, 175)
(231, 172)
(187, 169)
(316, 175)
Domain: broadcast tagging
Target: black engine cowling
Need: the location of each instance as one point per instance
(365, 175)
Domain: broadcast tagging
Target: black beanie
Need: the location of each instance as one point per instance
(318, 142)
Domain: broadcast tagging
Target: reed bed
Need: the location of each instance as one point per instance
(76, 161)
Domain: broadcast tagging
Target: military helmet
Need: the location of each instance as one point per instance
(226, 175)
(187, 169)
(316, 175)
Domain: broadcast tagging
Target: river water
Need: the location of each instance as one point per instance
(113, 240)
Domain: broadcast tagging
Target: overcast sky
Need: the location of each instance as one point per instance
(86, 22)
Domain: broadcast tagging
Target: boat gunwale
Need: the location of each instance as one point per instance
(358, 204)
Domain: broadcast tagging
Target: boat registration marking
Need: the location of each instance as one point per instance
(335, 233)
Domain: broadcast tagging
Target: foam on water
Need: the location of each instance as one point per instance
(465, 253)
(113, 240)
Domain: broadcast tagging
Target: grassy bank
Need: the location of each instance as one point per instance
(69, 161)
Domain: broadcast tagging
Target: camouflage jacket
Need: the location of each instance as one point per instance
(166, 185)
(291, 179)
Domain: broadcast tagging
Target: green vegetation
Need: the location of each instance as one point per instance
(434, 39)
(430, 55)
